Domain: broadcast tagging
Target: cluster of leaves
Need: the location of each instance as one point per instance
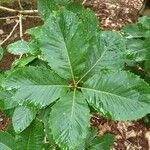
(138, 50)
(69, 68)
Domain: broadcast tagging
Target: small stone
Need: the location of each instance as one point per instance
(1, 32)
(1, 119)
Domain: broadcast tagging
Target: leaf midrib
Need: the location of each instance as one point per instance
(34, 85)
(73, 102)
(69, 61)
(104, 92)
(93, 66)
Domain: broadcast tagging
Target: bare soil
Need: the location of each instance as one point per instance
(113, 14)
(128, 135)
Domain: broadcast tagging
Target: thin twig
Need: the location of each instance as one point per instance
(24, 16)
(10, 34)
(20, 26)
(83, 2)
(29, 16)
(9, 17)
(19, 11)
(19, 2)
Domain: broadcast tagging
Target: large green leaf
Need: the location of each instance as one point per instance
(22, 118)
(64, 43)
(36, 86)
(69, 120)
(7, 142)
(31, 138)
(120, 95)
(107, 47)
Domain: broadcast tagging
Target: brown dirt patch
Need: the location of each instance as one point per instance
(113, 14)
(128, 135)
(4, 122)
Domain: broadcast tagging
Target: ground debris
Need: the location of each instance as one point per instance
(128, 135)
(113, 14)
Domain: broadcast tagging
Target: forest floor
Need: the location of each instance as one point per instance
(113, 14)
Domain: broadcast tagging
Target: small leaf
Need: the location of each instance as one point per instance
(19, 48)
(45, 7)
(35, 32)
(1, 53)
(102, 143)
(133, 31)
(137, 49)
(145, 21)
(22, 118)
(7, 142)
(31, 138)
(118, 95)
(6, 99)
(23, 61)
(69, 120)
(36, 86)
(44, 116)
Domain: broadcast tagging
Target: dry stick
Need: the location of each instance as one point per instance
(29, 16)
(19, 2)
(10, 34)
(9, 17)
(20, 26)
(24, 16)
(83, 2)
(19, 11)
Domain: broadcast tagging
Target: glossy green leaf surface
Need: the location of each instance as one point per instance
(137, 49)
(102, 143)
(22, 118)
(31, 138)
(94, 142)
(117, 95)
(19, 48)
(6, 99)
(78, 67)
(38, 86)
(65, 48)
(107, 47)
(1, 52)
(68, 126)
(23, 61)
(45, 7)
(138, 36)
(7, 142)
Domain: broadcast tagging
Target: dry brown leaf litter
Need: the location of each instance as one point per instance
(113, 14)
